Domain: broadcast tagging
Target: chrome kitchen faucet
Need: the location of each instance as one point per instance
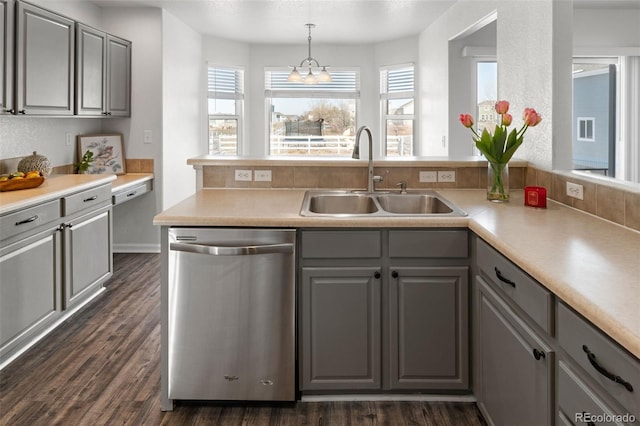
(371, 179)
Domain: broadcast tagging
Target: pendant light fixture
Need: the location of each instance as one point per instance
(310, 63)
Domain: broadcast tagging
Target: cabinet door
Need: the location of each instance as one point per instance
(90, 68)
(340, 321)
(428, 325)
(45, 62)
(6, 57)
(118, 84)
(88, 255)
(29, 289)
(516, 366)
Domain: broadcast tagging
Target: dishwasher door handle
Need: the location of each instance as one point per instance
(232, 251)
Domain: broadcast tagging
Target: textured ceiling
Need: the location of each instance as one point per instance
(337, 21)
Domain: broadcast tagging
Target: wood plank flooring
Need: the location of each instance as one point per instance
(102, 367)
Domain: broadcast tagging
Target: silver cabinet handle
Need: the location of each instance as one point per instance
(232, 251)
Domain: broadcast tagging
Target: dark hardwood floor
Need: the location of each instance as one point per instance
(101, 367)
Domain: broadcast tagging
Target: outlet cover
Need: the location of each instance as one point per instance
(243, 175)
(575, 190)
(148, 137)
(262, 175)
(447, 176)
(427, 176)
(68, 139)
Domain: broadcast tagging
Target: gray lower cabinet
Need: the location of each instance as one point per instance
(30, 283)
(514, 353)
(428, 314)
(598, 381)
(341, 323)
(45, 52)
(88, 256)
(54, 258)
(515, 365)
(377, 312)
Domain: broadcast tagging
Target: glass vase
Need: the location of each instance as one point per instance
(498, 182)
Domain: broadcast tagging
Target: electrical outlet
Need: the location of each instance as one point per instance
(243, 175)
(447, 176)
(68, 139)
(426, 176)
(262, 175)
(148, 137)
(575, 190)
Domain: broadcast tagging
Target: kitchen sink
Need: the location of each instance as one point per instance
(346, 204)
(413, 204)
(342, 204)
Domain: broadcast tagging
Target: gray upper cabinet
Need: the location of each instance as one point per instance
(6, 57)
(45, 52)
(103, 67)
(118, 77)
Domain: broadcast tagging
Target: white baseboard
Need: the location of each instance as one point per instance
(389, 397)
(136, 248)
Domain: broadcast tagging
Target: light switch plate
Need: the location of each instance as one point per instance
(428, 176)
(262, 175)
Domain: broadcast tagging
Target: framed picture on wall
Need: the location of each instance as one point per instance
(107, 150)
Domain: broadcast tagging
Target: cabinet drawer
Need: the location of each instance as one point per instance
(132, 193)
(534, 299)
(577, 403)
(577, 336)
(429, 243)
(86, 199)
(27, 219)
(341, 244)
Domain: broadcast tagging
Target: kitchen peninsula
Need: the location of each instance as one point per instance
(583, 264)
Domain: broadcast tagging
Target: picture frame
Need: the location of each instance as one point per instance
(108, 153)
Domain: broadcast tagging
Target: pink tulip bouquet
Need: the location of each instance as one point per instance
(499, 147)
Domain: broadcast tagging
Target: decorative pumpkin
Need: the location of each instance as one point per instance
(35, 162)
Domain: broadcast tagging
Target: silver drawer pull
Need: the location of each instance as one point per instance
(29, 220)
(230, 378)
(86, 200)
(131, 194)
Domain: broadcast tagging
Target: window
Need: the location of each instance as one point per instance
(585, 130)
(312, 120)
(225, 93)
(486, 95)
(397, 104)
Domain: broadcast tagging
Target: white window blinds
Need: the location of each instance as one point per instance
(225, 83)
(345, 84)
(398, 81)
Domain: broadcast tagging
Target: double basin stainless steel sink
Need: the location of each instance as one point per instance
(378, 204)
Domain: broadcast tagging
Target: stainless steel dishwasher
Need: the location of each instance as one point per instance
(231, 325)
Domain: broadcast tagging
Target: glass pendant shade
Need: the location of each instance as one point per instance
(294, 76)
(324, 76)
(310, 78)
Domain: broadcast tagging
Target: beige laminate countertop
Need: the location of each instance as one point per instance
(55, 186)
(129, 180)
(591, 264)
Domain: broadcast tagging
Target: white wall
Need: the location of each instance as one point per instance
(133, 228)
(256, 57)
(183, 80)
(534, 47)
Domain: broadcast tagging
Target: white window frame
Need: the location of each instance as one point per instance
(227, 92)
(385, 96)
(579, 134)
(329, 90)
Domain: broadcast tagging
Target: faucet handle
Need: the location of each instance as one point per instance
(403, 186)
